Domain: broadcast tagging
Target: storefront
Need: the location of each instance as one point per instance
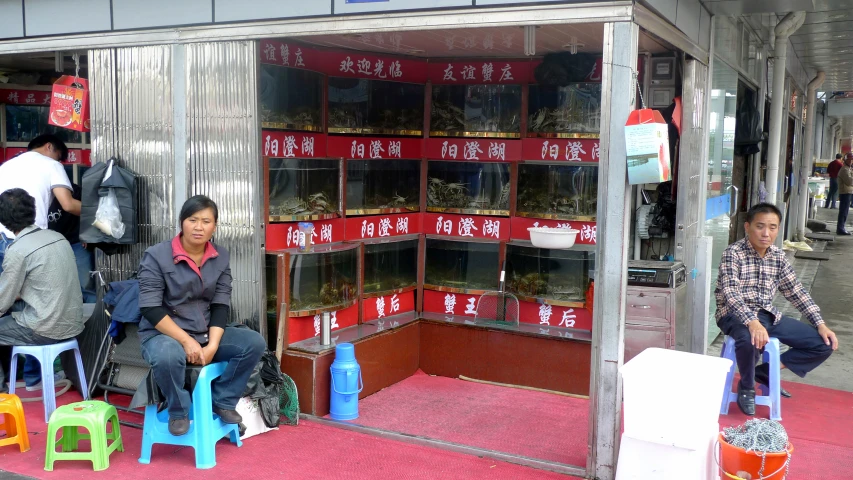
(421, 146)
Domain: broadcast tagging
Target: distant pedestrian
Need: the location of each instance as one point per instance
(845, 194)
(833, 169)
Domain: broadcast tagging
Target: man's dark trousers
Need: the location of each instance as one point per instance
(807, 348)
(844, 201)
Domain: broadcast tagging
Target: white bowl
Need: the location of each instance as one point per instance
(544, 237)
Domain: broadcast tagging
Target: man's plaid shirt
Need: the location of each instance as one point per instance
(747, 283)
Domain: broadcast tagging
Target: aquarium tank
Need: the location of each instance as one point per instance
(559, 276)
(564, 111)
(383, 186)
(557, 191)
(390, 267)
(323, 281)
(468, 187)
(378, 107)
(461, 266)
(303, 189)
(476, 111)
(291, 99)
(26, 122)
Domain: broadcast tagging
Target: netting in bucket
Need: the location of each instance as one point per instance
(757, 450)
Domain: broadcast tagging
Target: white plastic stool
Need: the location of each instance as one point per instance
(46, 354)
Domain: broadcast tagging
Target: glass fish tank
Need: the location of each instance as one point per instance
(323, 281)
(375, 107)
(461, 266)
(26, 122)
(390, 267)
(291, 99)
(303, 189)
(561, 277)
(476, 111)
(557, 191)
(573, 110)
(468, 187)
(383, 186)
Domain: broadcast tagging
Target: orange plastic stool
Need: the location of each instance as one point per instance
(13, 422)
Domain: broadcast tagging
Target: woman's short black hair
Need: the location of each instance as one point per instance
(762, 208)
(196, 204)
(17, 209)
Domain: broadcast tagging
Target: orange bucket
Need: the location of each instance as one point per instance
(735, 459)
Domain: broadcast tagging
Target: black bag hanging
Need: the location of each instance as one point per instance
(123, 184)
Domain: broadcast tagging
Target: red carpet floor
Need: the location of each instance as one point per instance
(522, 422)
(309, 451)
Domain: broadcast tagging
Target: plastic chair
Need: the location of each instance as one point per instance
(205, 427)
(46, 354)
(13, 422)
(771, 398)
(92, 415)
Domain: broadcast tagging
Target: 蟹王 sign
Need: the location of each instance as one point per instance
(69, 104)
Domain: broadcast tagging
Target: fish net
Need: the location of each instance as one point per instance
(499, 307)
(289, 402)
(760, 436)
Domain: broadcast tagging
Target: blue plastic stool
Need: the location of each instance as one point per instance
(46, 354)
(770, 399)
(205, 428)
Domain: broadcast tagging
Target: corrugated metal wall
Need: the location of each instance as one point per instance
(222, 138)
(132, 120)
(190, 107)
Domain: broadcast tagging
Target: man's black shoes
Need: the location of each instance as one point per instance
(179, 426)
(843, 232)
(762, 376)
(228, 416)
(746, 399)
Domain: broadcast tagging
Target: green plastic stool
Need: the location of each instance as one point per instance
(91, 415)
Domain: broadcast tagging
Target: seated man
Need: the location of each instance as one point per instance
(750, 272)
(38, 268)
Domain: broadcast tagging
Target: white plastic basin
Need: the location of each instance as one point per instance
(544, 237)
(668, 395)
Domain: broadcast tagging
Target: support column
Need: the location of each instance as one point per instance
(783, 30)
(807, 158)
(179, 125)
(614, 219)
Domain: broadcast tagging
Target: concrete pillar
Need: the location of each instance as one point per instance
(807, 158)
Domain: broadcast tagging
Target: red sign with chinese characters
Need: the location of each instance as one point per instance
(491, 72)
(365, 148)
(291, 55)
(281, 236)
(24, 97)
(474, 226)
(382, 226)
(380, 307)
(586, 235)
(76, 156)
(347, 63)
(279, 144)
(450, 303)
(553, 316)
(473, 149)
(561, 149)
(300, 328)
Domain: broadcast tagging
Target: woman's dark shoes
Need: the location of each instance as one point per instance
(746, 399)
(228, 416)
(762, 376)
(179, 426)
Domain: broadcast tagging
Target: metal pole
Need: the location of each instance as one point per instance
(783, 30)
(808, 155)
(179, 122)
(608, 335)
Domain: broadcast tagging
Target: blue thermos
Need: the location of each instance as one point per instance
(346, 383)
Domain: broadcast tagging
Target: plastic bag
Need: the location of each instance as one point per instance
(108, 216)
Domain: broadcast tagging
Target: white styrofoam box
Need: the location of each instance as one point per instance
(668, 395)
(643, 460)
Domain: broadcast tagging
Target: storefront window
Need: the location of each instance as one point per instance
(24, 123)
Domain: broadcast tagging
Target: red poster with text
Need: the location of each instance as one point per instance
(367, 148)
(69, 104)
(291, 55)
(586, 234)
(555, 316)
(18, 96)
(381, 307)
(450, 303)
(279, 144)
(561, 150)
(300, 328)
(76, 156)
(464, 226)
(473, 149)
(281, 236)
(473, 72)
(348, 63)
(382, 226)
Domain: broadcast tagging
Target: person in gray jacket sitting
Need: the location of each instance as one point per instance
(184, 298)
(39, 268)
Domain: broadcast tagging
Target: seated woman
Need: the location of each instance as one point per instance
(184, 297)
